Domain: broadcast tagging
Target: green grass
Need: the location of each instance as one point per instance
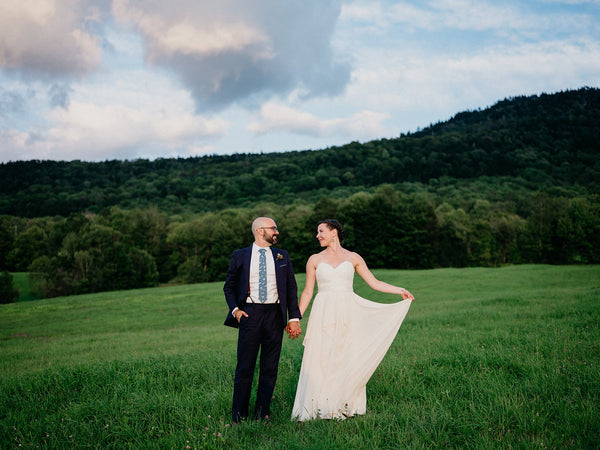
(21, 281)
(486, 358)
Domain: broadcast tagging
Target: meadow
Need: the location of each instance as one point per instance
(486, 358)
(22, 283)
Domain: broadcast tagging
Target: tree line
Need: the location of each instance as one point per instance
(515, 183)
(122, 249)
(550, 141)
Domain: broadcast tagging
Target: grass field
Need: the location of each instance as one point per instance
(486, 358)
(21, 281)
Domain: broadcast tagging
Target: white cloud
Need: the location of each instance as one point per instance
(474, 15)
(168, 36)
(371, 15)
(278, 117)
(436, 86)
(430, 16)
(460, 16)
(40, 38)
(235, 51)
(92, 132)
(572, 2)
(97, 79)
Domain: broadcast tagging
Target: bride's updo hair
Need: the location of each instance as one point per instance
(334, 224)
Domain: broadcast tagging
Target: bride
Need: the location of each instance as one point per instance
(347, 336)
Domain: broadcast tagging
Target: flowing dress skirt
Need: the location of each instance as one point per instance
(347, 337)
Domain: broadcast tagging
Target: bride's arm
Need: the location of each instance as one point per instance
(309, 287)
(361, 268)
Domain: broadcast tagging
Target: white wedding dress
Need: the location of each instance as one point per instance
(347, 336)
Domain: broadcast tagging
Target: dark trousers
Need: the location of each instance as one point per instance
(261, 330)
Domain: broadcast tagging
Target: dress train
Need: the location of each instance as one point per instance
(347, 337)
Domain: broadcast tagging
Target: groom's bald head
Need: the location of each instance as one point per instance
(264, 231)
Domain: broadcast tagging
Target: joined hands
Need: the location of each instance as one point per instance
(293, 329)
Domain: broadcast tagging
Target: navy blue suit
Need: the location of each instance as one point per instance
(261, 330)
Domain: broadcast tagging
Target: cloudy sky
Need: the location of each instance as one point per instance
(125, 79)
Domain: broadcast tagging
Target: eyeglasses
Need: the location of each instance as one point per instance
(268, 228)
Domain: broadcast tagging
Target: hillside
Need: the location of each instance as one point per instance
(544, 142)
(482, 352)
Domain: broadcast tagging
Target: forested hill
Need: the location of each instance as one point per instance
(549, 141)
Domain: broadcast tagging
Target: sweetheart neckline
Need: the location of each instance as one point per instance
(334, 267)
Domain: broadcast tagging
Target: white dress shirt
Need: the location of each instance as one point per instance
(272, 296)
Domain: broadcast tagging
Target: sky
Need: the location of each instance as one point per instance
(97, 80)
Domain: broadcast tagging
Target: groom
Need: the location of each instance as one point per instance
(261, 292)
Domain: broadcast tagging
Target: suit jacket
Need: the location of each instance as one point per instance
(238, 278)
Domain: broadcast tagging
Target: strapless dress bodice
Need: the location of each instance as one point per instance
(335, 279)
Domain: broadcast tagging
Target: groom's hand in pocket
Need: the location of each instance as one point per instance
(238, 314)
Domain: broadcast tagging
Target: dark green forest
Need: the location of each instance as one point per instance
(518, 182)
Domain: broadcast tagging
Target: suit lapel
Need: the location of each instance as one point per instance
(273, 253)
(247, 259)
(278, 277)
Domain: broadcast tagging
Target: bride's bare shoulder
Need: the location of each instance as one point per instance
(315, 259)
(355, 258)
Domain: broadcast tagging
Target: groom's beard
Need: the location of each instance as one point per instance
(271, 239)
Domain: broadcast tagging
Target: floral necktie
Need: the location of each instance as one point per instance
(262, 276)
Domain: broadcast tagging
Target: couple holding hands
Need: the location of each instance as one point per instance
(346, 338)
